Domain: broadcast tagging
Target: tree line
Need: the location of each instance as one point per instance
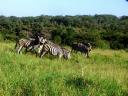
(102, 31)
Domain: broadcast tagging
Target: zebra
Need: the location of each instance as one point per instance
(29, 44)
(83, 48)
(66, 53)
(88, 45)
(54, 49)
(50, 47)
(24, 43)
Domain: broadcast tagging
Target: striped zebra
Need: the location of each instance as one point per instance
(50, 47)
(83, 48)
(23, 43)
(53, 49)
(66, 53)
(29, 44)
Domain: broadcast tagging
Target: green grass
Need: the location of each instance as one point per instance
(105, 73)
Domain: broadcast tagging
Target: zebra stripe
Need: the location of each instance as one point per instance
(24, 43)
(53, 49)
(50, 47)
(66, 53)
(83, 48)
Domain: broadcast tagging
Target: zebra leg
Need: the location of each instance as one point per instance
(29, 48)
(40, 50)
(20, 49)
(34, 51)
(44, 52)
(60, 56)
(87, 53)
(26, 50)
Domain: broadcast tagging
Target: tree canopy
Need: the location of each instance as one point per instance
(110, 30)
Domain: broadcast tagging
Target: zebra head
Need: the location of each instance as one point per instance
(88, 46)
(66, 53)
(42, 40)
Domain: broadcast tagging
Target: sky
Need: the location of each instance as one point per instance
(63, 7)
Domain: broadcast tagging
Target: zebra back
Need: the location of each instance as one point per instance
(83, 48)
(53, 48)
(50, 47)
(25, 43)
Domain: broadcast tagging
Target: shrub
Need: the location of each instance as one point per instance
(116, 45)
(57, 39)
(102, 44)
(1, 37)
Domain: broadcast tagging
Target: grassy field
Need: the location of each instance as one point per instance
(105, 73)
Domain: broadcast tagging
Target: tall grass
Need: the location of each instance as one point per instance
(103, 74)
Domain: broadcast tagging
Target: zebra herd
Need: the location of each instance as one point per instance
(42, 46)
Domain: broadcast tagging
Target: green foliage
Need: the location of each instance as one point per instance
(57, 39)
(1, 37)
(70, 28)
(102, 44)
(116, 45)
(69, 36)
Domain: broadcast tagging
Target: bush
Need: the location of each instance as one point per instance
(116, 45)
(126, 49)
(1, 37)
(102, 44)
(57, 39)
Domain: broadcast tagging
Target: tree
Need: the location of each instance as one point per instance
(105, 29)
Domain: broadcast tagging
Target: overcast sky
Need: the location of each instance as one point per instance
(62, 7)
